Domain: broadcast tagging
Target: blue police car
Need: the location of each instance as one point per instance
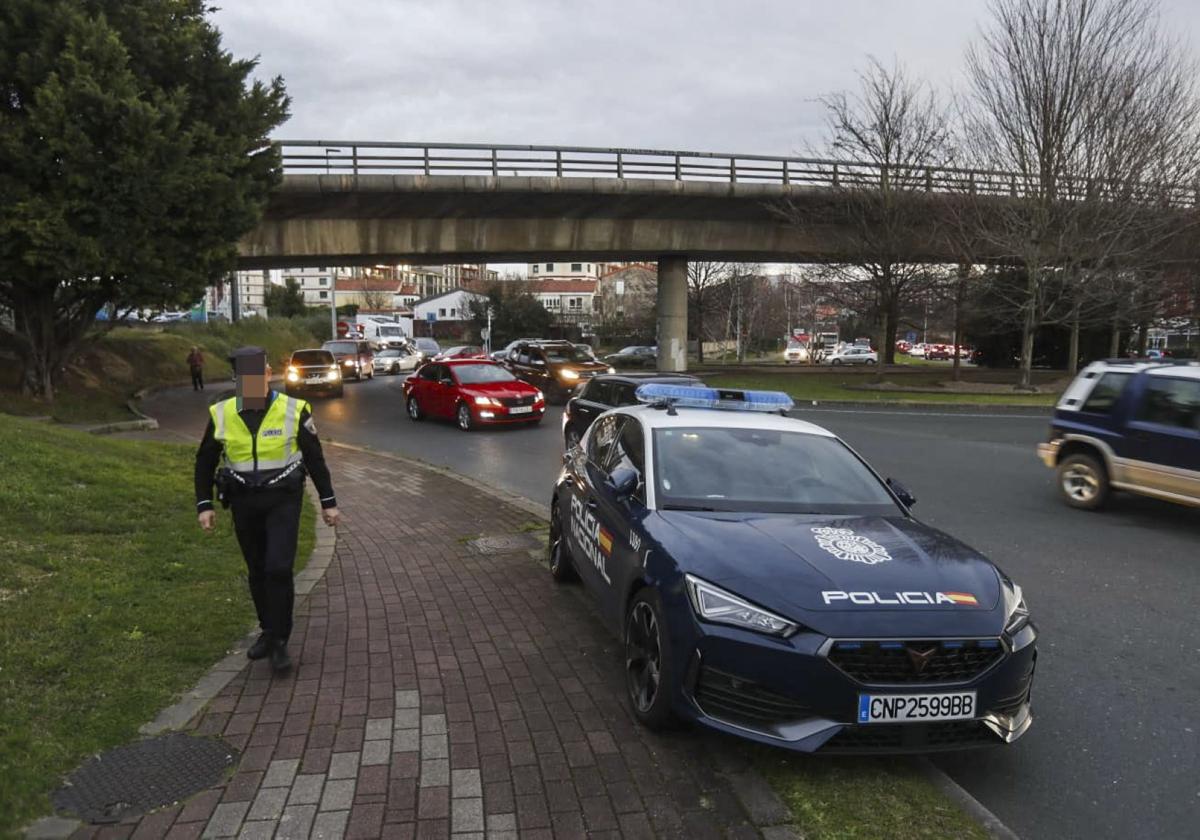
(1127, 425)
(767, 583)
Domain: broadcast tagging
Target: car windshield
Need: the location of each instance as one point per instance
(481, 373)
(565, 353)
(387, 354)
(765, 471)
(628, 351)
(341, 347)
(393, 332)
(312, 357)
(428, 345)
(795, 345)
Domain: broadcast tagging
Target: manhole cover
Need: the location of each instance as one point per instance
(147, 774)
(505, 543)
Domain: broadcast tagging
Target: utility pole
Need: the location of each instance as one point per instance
(235, 300)
(333, 302)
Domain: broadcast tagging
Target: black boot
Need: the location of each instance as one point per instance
(280, 661)
(260, 648)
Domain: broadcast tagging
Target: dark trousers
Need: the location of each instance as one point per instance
(197, 379)
(267, 524)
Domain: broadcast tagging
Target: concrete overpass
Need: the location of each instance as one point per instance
(366, 202)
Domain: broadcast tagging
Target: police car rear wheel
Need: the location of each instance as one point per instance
(648, 677)
(1083, 482)
(562, 566)
(414, 410)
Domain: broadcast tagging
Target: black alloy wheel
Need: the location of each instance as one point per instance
(414, 410)
(647, 661)
(562, 565)
(465, 421)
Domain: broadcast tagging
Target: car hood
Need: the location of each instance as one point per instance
(516, 388)
(822, 564)
(580, 366)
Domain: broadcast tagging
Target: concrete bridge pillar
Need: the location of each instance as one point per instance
(672, 313)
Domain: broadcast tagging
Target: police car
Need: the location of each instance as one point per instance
(766, 582)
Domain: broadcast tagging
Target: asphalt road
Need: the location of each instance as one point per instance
(1115, 746)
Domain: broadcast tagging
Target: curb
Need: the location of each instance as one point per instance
(532, 508)
(955, 792)
(179, 715)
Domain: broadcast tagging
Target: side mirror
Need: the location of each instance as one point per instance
(902, 493)
(622, 482)
(538, 363)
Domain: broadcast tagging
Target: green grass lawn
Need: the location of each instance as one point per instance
(863, 799)
(99, 383)
(805, 387)
(112, 601)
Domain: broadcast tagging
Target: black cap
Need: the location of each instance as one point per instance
(248, 360)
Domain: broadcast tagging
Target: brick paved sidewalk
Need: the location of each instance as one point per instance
(442, 692)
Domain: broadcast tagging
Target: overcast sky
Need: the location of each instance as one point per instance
(708, 75)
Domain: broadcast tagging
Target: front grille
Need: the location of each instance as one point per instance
(510, 402)
(911, 737)
(899, 662)
(732, 699)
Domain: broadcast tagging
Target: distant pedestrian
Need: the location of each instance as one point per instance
(195, 362)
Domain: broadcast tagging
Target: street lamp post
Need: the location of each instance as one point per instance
(333, 302)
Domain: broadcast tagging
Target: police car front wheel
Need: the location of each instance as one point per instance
(648, 675)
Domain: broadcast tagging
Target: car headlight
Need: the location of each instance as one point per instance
(293, 375)
(1015, 611)
(612, 369)
(717, 605)
(569, 375)
(485, 401)
(350, 363)
(333, 375)
(540, 397)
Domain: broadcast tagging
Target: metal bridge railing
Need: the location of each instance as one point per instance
(366, 157)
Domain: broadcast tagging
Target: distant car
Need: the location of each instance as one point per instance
(939, 352)
(1157, 354)
(427, 347)
(170, 317)
(903, 346)
(1127, 425)
(635, 356)
(556, 367)
(853, 356)
(465, 351)
(586, 348)
(396, 360)
(796, 351)
(473, 393)
(917, 350)
(354, 356)
(609, 391)
(313, 371)
(502, 354)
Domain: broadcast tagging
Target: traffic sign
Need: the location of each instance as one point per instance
(430, 316)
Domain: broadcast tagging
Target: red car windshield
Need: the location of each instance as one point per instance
(481, 374)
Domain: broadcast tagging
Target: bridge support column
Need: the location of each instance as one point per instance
(672, 313)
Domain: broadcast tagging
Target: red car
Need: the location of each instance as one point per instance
(464, 352)
(473, 393)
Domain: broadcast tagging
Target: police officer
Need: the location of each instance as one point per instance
(259, 445)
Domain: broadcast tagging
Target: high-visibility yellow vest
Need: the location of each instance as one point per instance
(273, 448)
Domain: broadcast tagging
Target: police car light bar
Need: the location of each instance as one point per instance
(691, 396)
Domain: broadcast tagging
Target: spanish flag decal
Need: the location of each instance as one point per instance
(964, 598)
(605, 540)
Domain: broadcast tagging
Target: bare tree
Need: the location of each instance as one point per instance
(895, 129)
(703, 279)
(1094, 112)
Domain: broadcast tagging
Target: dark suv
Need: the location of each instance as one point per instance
(609, 391)
(1131, 426)
(557, 367)
(354, 357)
(313, 371)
